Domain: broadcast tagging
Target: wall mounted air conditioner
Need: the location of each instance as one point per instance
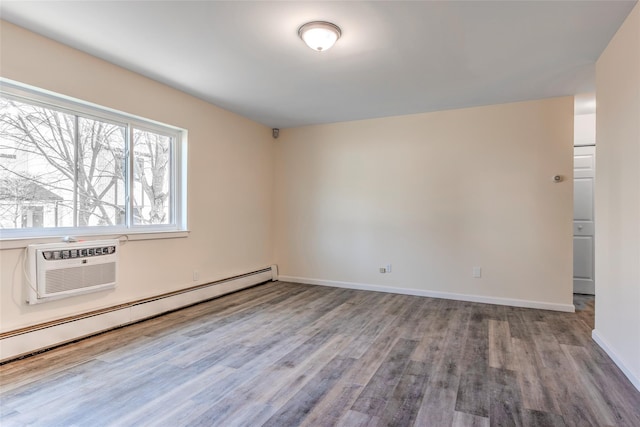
(59, 270)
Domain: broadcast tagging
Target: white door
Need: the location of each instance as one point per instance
(584, 168)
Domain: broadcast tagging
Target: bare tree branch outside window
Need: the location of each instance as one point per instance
(59, 169)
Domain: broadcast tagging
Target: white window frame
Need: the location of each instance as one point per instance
(178, 169)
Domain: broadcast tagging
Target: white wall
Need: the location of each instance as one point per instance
(434, 195)
(230, 181)
(584, 122)
(584, 129)
(618, 198)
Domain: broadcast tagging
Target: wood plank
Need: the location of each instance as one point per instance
(357, 419)
(536, 393)
(401, 408)
(163, 408)
(500, 353)
(438, 404)
(434, 329)
(272, 385)
(473, 394)
(336, 403)
(559, 376)
(473, 389)
(461, 419)
(218, 401)
(297, 408)
(505, 407)
(373, 397)
(541, 419)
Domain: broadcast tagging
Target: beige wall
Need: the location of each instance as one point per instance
(434, 195)
(230, 180)
(618, 197)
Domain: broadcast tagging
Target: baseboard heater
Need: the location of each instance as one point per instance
(32, 339)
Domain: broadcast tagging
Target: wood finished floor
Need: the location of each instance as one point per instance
(285, 354)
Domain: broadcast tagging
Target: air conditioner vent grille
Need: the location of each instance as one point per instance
(66, 279)
(62, 270)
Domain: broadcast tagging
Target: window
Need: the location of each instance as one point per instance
(68, 167)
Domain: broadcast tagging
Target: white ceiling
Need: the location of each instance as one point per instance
(393, 58)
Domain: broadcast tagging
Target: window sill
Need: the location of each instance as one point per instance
(20, 243)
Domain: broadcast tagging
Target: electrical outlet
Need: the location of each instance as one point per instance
(383, 270)
(388, 268)
(477, 272)
(196, 275)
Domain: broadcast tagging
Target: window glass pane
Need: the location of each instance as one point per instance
(37, 166)
(64, 164)
(152, 178)
(101, 173)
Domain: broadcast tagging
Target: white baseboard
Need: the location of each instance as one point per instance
(614, 356)
(40, 338)
(433, 294)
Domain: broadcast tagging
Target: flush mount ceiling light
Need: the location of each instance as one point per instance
(319, 35)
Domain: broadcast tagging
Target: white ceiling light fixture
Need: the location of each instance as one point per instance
(319, 35)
